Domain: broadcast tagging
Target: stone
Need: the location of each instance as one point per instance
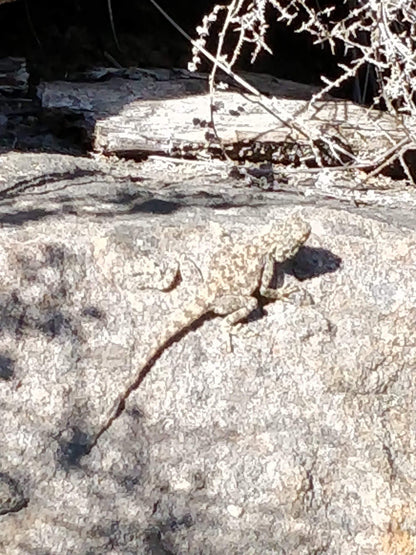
(300, 440)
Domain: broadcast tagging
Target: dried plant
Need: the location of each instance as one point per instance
(377, 36)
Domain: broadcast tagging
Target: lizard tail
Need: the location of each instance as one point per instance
(180, 323)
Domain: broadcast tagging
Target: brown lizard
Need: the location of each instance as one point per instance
(235, 273)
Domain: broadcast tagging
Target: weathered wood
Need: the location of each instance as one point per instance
(172, 116)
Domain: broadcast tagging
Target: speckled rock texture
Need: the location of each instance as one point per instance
(299, 440)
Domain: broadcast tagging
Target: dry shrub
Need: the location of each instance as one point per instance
(377, 36)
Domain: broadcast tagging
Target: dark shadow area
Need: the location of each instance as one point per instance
(60, 39)
(6, 367)
(51, 321)
(313, 262)
(156, 536)
(22, 217)
(155, 542)
(12, 499)
(47, 315)
(93, 312)
(156, 206)
(94, 194)
(79, 192)
(66, 40)
(32, 184)
(71, 451)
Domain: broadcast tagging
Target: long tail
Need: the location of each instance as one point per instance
(179, 324)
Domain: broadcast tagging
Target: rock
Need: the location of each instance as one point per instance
(11, 496)
(300, 440)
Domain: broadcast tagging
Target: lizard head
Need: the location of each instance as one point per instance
(290, 236)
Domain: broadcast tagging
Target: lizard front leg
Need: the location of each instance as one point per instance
(283, 292)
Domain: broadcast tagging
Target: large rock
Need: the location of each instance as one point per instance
(300, 440)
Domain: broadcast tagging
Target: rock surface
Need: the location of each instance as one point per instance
(301, 440)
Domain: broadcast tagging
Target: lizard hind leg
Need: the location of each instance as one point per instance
(235, 308)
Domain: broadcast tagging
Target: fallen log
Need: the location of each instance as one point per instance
(162, 112)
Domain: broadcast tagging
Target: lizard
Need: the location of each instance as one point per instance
(235, 273)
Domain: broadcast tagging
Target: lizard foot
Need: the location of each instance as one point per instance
(238, 330)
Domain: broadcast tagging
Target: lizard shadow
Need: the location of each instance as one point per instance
(312, 262)
(308, 263)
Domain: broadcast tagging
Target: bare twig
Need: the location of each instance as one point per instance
(376, 35)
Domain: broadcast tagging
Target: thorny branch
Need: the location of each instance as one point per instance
(378, 41)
